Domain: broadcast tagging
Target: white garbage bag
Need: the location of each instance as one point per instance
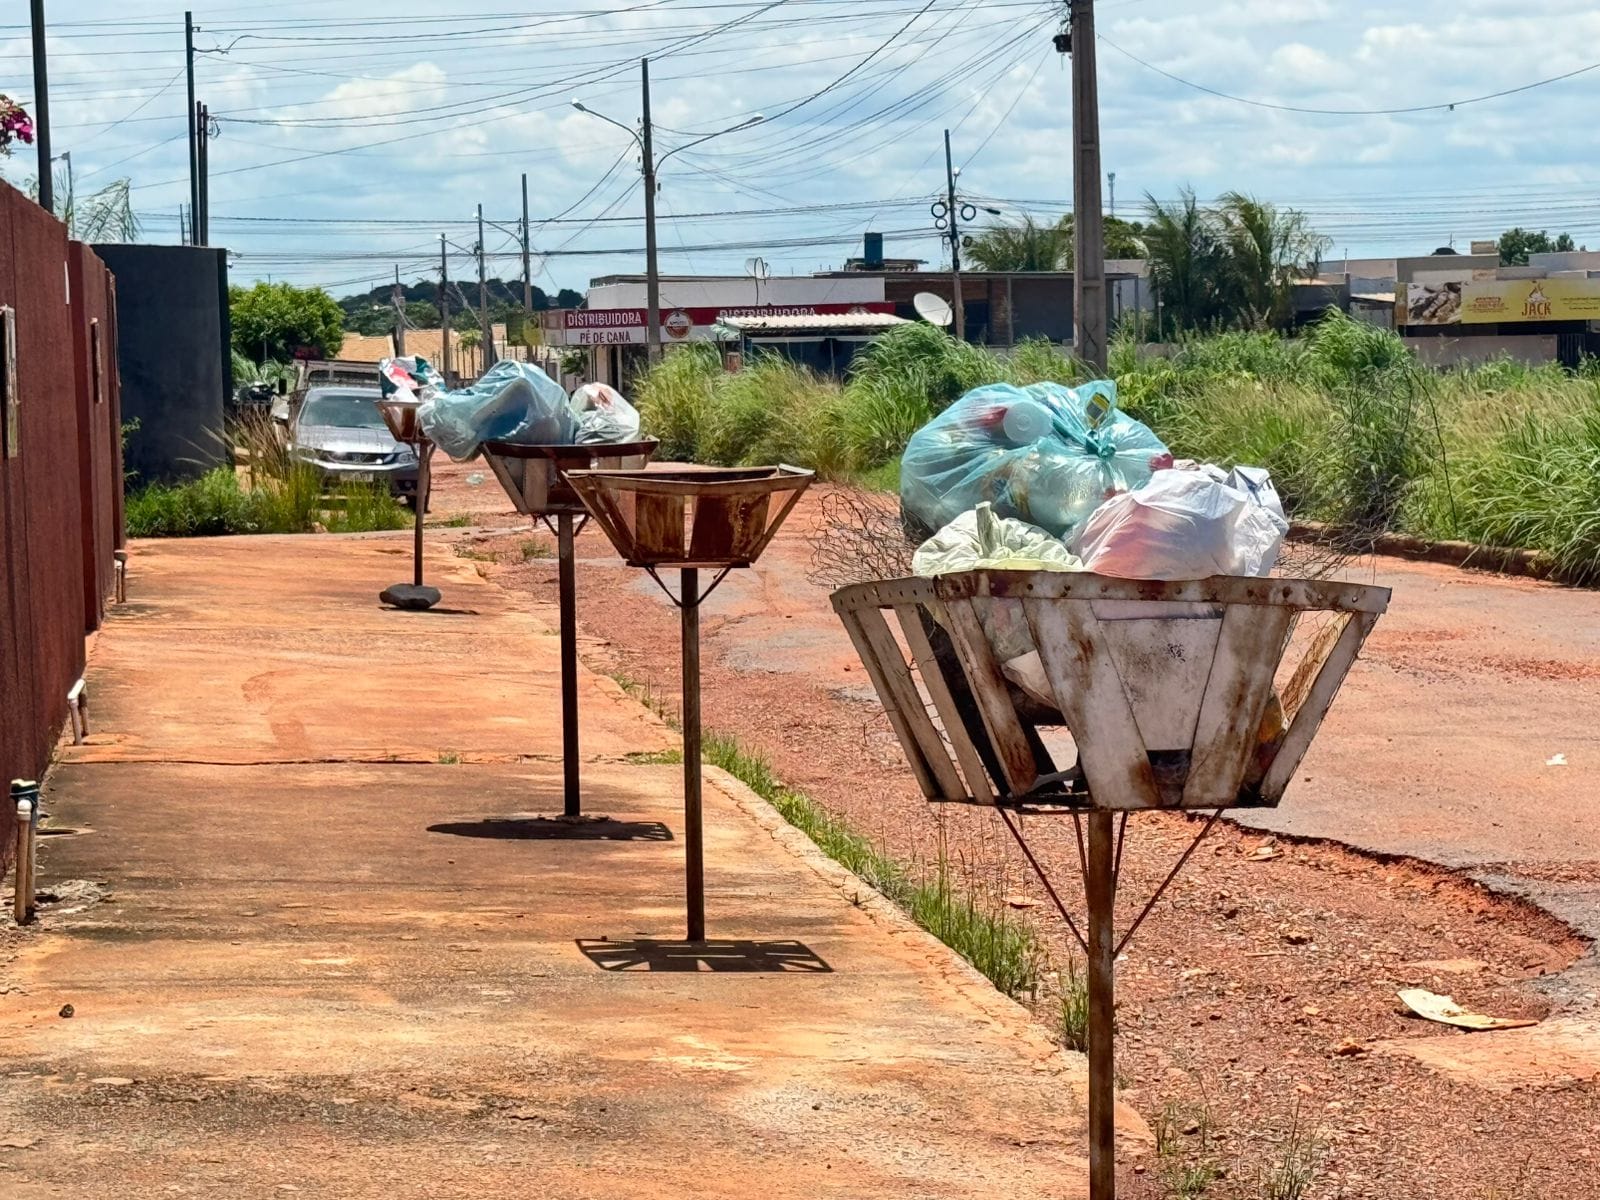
(603, 415)
(1187, 524)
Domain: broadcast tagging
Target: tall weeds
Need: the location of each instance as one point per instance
(1355, 432)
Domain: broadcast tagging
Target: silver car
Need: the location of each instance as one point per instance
(340, 432)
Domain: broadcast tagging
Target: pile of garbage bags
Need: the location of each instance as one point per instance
(1046, 454)
(1057, 478)
(510, 402)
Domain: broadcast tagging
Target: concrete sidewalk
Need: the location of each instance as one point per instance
(338, 957)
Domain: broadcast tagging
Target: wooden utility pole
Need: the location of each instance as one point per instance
(1088, 224)
(202, 220)
(194, 149)
(399, 298)
(444, 312)
(41, 110)
(652, 285)
(486, 330)
(527, 276)
(958, 309)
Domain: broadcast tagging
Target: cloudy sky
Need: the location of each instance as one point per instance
(351, 134)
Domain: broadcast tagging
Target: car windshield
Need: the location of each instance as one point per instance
(342, 410)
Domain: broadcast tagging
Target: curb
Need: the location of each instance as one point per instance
(1505, 560)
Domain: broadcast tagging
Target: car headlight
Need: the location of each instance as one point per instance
(403, 455)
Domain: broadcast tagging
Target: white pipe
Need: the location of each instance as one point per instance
(78, 700)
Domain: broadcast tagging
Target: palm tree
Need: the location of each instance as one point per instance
(103, 216)
(1188, 261)
(1023, 245)
(1268, 249)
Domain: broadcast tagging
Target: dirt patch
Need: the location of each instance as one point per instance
(1255, 995)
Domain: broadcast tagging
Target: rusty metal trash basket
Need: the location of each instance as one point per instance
(1191, 695)
(535, 480)
(688, 518)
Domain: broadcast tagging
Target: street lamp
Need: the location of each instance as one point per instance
(648, 164)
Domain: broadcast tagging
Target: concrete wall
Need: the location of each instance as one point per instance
(1534, 349)
(174, 356)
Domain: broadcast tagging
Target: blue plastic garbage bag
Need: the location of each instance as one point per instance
(511, 402)
(1046, 454)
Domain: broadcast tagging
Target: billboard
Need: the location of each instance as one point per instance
(1499, 301)
(627, 326)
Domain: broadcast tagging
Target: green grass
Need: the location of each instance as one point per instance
(1355, 431)
(1073, 1013)
(218, 503)
(998, 944)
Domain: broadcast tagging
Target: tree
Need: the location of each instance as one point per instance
(1268, 249)
(420, 314)
(1023, 245)
(1517, 244)
(274, 320)
(371, 320)
(1026, 245)
(1188, 262)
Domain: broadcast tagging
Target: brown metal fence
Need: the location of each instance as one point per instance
(60, 478)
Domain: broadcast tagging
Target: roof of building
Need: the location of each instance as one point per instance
(809, 321)
(429, 343)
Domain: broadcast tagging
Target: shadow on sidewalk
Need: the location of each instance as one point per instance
(557, 829)
(715, 954)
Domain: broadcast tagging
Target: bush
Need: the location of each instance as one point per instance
(217, 504)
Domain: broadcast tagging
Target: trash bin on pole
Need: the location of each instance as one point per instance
(691, 518)
(1193, 696)
(400, 415)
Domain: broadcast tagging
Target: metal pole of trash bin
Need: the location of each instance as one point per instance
(1100, 889)
(424, 481)
(694, 866)
(572, 802)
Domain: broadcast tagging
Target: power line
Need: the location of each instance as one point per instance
(1441, 106)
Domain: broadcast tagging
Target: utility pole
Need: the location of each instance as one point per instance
(652, 286)
(486, 332)
(1111, 178)
(41, 110)
(202, 223)
(194, 150)
(399, 297)
(1088, 225)
(957, 307)
(183, 227)
(444, 311)
(527, 276)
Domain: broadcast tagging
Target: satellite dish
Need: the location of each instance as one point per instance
(756, 268)
(932, 309)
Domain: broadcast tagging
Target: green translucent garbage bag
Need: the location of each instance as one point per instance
(1046, 454)
(979, 540)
